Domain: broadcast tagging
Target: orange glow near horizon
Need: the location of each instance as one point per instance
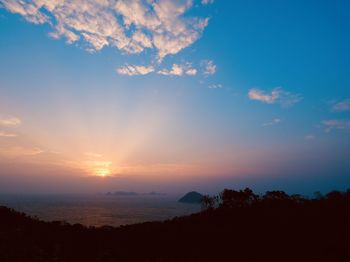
(102, 172)
(139, 142)
(101, 168)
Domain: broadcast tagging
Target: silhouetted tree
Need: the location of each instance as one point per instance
(298, 199)
(232, 198)
(277, 199)
(347, 195)
(208, 202)
(318, 195)
(334, 196)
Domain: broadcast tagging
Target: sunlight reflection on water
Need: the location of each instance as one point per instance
(100, 210)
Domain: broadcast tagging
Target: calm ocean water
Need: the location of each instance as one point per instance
(99, 210)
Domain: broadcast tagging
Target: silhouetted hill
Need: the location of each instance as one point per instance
(192, 198)
(238, 226)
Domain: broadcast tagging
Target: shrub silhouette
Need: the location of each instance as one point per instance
(231, 198)
(208, 202)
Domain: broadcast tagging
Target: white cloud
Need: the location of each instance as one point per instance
(191, 72)
(209, 68)
(336, 124)
(273, 122)
(341, 106)
(179, 70)
(27, 9)
(9, 121)
(176, 70)
(61, 30)
(207, 2)
(128, 25)
(132, 70)
(215, 86)
(7, 134)
(277, 95)
(259, 95)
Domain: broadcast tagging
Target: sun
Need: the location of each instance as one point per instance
(102, 172)
(100, 168)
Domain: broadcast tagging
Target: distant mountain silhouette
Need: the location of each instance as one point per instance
(192, 198)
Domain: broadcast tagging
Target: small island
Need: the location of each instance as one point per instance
(192, 198)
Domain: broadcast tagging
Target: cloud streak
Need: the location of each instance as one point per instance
(7, 134)
(10, 121)
(336, 125)
(277, 95)
(209, 68)
(128, 25)
(92, 155)
(133, 70)
(179, 70)
(309, 137)
(341, 106)
(273, 122)
(207, 2)
(20, 151)
(215, 86)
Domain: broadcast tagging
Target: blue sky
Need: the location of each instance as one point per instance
(187, 93)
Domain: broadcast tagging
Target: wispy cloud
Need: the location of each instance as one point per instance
(209, 68)
(132, 70)
(7, 134)
(277, 95)
(93, 155)
(341, 106)
(259, 95)
(179, 70)
(128, 25)
(207, 2)
(28, 10)
(273, 122)
(20, 151)
(9, 121)
(175, 70)
(336, 124)
(215, 86)
(309, 137)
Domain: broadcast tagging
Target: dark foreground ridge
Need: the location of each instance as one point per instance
(236, 226)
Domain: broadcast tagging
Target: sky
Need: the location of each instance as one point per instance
(169, 96)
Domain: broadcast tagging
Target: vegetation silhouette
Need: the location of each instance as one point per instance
(233, 226)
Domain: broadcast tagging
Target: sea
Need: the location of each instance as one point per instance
(99, 210)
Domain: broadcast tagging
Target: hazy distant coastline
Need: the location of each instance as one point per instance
(100, 209)
(131, 193)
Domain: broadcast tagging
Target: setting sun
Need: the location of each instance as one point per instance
(102, 172)
(101, 168)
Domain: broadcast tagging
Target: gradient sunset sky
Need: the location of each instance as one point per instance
(100, 95)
